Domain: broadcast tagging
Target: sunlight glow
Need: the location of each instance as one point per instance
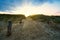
(32, 10)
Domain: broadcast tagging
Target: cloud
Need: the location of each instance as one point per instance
(38, 2)
(41, 2)
(4, 12)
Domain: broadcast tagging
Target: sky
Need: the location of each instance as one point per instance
(30, 7)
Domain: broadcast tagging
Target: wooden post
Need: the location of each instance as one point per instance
(9, 27)
(20, 21)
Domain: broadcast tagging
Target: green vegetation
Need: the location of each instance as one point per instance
(45, 18)
(6, 17)
(41, 18)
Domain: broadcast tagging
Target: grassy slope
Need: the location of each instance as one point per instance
(5, 17)
(43, 18)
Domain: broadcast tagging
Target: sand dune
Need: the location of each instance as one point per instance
(32, 30)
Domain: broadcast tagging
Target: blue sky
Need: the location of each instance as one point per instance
(8, 4)
(11, 4)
